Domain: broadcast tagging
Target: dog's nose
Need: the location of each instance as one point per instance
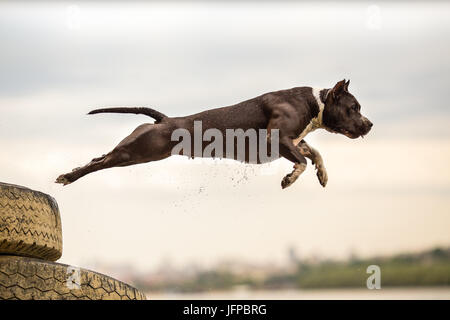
(370, 124)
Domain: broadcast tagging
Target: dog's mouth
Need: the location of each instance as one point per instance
(348, 133)
(354, 135)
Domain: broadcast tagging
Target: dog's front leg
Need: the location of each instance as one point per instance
(285, 118)
(314, 155)
(292, 153)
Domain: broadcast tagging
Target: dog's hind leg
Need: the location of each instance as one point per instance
(146, 143)
(314, 155)
(115, 158)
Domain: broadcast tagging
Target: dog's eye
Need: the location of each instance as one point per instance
(355, 108)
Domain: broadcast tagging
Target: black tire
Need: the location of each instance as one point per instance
(33, 279)
(30, 224)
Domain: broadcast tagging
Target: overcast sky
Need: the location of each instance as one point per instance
(386, 193)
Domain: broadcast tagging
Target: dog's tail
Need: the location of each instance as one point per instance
(158, 116)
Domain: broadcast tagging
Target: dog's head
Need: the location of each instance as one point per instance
(342, 112)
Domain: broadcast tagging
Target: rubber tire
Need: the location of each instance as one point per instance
(30, 224)
(34, 279)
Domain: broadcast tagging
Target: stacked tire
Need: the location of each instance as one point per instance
(30, 242)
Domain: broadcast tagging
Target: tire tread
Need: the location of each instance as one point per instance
(30, 224)
(33, 279)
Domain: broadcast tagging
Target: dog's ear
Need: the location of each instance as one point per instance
(346, 85)
(338, 89)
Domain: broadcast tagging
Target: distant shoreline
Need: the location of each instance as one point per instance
(430, 268)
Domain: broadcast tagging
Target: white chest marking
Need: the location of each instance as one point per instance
(316, 122)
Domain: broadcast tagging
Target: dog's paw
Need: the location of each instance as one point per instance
(322, 175)
(287, 181)
(290, 178)
(62, 180)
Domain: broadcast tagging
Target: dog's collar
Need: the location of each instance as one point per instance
(318, 93)
(315, 122)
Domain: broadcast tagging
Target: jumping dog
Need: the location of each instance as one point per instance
(294, 112)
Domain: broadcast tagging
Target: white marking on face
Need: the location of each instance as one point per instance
(316, 122)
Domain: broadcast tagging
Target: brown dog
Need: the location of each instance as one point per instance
(294, 112)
